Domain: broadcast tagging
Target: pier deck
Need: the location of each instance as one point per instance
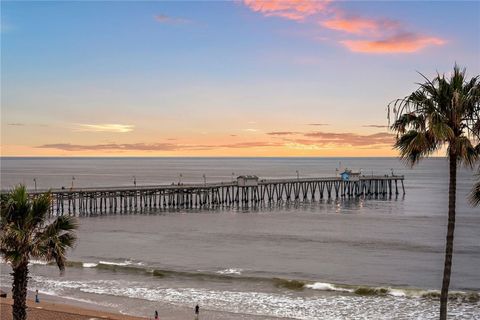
(103, 200)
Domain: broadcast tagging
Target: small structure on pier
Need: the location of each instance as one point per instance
(247, 181)
(349, 175)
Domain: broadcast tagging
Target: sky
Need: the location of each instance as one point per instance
(239, 78)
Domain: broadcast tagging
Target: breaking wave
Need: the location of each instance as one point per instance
(280, 304)
(124, 263)
(236, 271)
(326, 287)
(89, 265)
(135, 267)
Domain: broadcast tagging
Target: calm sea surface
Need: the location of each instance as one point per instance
(356, 259)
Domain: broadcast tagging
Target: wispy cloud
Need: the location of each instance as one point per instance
(347, 139)
(108, 127)
(156, 146)
(379, 35)
(250, 130)
(20, 124)
(112, 146)
(253, 144)
(318, 124)
(374, 126)
(360, 25)
(163, 18)
(335, 139)
(289, 9)
(282, 133)
(293, 140)
(400, 43)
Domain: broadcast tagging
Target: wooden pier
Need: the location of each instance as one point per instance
(112, 200)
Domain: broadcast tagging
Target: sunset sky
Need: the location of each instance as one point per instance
(243, 78)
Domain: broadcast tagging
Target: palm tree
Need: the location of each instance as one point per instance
(442, 114)
(26, 232)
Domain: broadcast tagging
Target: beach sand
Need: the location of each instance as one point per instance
(59, 311)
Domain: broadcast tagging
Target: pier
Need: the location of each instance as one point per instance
(240, 193)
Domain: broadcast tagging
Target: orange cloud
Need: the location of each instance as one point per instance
(347, 139)
(282, 133)
(112, 146)
(359, 25)
(402, 43)
(156, 146)
(289, 9)
(309, 140)
(381, 126)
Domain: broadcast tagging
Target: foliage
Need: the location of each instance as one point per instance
(475, 195)
(27, 232)
(441, 114)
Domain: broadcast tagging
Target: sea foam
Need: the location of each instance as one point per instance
(89, 265)
(124, 263)
(38, 262)
(324, 286)
(237, 271)
(326, 307)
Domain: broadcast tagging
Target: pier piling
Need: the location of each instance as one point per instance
(113, 200)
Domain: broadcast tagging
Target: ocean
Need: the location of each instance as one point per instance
(329, 259)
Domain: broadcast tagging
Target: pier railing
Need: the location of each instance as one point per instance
(103, 200)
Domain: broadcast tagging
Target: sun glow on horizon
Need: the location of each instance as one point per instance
(247, 78)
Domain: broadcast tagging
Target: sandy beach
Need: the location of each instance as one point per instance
(52, 307)
(59, 311)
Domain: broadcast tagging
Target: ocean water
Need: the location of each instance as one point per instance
(331, 259)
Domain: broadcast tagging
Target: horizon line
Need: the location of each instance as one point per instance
(232, 157)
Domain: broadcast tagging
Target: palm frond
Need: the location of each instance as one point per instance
(25, 231)
(442, 111)
(53, 241)
(475, 194)
(414, 145)
(40, 207)
(16, 205)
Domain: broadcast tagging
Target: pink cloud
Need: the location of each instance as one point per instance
(359, 25)
(402, 43)
(289, 9)
(382, 35)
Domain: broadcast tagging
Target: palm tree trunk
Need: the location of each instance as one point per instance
(449, 243)
(19, 292)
